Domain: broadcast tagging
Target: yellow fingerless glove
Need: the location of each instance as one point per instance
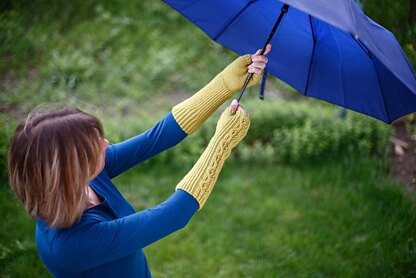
(193, 112)
(236, 73)
(201, 179)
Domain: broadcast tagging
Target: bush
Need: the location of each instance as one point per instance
(292, 132)
(296, 131)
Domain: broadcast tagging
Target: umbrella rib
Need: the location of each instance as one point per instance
(312, 55)
(232, 20)
(365, 50)
(381, 90)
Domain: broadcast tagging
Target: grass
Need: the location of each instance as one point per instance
(18, 254)
(339, 219)
(109, 52)
(344, 220)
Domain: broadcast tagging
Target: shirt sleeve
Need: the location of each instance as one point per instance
(124, 155)
(103, 242)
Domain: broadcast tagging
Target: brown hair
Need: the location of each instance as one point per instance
(51, 158)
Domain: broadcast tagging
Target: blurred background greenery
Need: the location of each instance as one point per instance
(306, 194)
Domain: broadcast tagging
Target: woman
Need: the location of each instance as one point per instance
(61, 166)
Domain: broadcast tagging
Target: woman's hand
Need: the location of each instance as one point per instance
(259, 62)
(233, 124)
(236, 73)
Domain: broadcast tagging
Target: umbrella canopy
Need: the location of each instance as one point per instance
(327, 49)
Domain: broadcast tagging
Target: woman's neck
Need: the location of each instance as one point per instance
(92, 198)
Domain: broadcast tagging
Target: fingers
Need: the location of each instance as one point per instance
(268, 49)
(235, 106)
(259, 62)
(259, 59)
(256, 67)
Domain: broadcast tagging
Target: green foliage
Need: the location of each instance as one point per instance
(395, 16)
(110, 48)
(4, 142)
(18, 253)
(293, 132)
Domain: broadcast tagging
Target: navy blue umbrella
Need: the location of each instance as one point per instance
(326, 49)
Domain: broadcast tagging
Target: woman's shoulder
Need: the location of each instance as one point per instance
(67, 240)
(87, 221)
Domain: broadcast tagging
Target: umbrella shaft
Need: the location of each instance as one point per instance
(283, 11)
(250, 75)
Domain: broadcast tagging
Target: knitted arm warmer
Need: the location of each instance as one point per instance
(192, 113)
(201, 179)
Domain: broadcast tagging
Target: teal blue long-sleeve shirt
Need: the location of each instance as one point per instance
(108, 240)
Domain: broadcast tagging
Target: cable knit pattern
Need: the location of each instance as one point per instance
(200, 180)
(193, 112)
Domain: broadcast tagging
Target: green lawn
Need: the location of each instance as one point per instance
(338, 219)
(341, 219)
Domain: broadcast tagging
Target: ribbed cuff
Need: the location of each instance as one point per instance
(194, 111)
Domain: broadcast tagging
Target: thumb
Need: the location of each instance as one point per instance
(234, 105)
(268, 49)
